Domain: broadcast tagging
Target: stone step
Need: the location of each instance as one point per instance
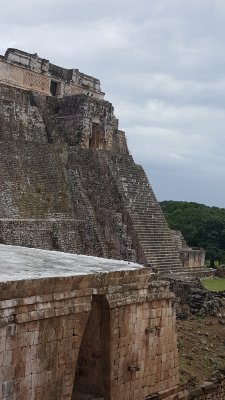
(150, 247)
(152, 233)
(168, 253)
(184, 271)
(161, 265)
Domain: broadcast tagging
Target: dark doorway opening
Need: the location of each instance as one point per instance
(54, 88)
(97, 137)
(91, 379)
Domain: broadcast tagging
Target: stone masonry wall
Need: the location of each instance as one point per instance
(92, 359)
(144, 357)
(22, 78)
(106, 205)
(20, 119)
(42, 331)
(33, 182)
(214, 390)
(192, 259)
(87, 123)
(68, 235)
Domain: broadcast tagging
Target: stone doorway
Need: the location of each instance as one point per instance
(55, 88)
(97, 137)
(92, 370)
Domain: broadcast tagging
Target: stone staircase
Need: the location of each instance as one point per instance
(145, 213)
(93, 189)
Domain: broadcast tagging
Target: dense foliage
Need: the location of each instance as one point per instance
(202, 226)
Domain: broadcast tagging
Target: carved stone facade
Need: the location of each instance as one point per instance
(30, 72)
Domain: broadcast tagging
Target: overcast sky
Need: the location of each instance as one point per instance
(161, 64)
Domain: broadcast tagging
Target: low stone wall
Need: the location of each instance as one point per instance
(220, 272)
(175, 393)
(55, 333)
(207, 391)
(192, 258)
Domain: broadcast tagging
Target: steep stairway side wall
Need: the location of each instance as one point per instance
(92, 183)
(145, 213)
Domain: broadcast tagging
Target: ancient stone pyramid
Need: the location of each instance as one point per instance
(67, 179)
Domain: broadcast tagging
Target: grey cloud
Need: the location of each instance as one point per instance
(166, 181)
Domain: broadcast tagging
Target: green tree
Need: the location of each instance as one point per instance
(211, 236)
(202, 226)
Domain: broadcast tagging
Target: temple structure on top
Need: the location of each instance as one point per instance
(30, 72)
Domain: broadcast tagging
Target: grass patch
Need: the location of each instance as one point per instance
(216, 284)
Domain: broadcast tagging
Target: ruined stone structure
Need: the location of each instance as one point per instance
(73, 326)
(30, 72)
(76, 327)
(211, 390)
(67, 179)
(192, 259)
